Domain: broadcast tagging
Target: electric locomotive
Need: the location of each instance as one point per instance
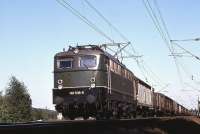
(90, 82)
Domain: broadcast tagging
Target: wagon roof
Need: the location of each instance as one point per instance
(144, 83)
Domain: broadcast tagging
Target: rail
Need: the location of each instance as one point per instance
(144, 125)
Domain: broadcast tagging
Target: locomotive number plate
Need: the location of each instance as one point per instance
(76, 92)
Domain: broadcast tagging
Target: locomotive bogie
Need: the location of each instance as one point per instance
(79, 101)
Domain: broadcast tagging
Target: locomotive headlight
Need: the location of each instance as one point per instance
(60, 87)
(76, 51)
(92, 85)
(92, 82)
(60, 81)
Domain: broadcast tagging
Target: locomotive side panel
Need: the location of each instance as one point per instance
(122, 82)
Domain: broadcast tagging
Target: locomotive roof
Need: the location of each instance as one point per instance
(88, 49)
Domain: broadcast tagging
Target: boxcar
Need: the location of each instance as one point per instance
(144, 98)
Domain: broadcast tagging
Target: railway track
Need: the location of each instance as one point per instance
(141, 126)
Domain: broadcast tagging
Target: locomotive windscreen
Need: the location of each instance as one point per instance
(64, 63)
(88, 61)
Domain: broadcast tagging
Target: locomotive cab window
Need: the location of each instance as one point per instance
(88, 61)
(64, 63)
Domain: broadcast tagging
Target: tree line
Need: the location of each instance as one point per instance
(16, 105)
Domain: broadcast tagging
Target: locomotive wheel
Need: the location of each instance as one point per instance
(71, 117)
(108, 115)
(85, 117)
(131, 115)
(86, 114)
(99, 116)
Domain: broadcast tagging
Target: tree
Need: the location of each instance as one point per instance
(3, 109)
(18, 101)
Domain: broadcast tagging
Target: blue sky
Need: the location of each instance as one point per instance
(31, 32)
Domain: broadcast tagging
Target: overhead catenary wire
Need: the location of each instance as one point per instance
(106, 20)
(161, 18)
(75, 12)
(155, 21)
(157, 25)
(160, 30)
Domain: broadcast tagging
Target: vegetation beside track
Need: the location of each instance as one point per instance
(16, 105)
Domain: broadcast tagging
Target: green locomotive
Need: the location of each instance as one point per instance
(90, 82)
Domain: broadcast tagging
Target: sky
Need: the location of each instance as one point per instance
(33, 31)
